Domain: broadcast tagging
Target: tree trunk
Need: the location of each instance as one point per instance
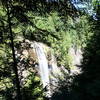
(13, 54)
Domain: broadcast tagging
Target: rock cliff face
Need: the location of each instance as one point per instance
(27, 58)
(37, 57)
(76, 60)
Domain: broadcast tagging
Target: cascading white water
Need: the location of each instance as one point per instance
(43, 64)
(48, 70)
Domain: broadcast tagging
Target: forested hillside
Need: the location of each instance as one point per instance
(35, 35)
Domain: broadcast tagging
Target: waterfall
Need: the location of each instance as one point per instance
(43, 64)
(49, 72)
